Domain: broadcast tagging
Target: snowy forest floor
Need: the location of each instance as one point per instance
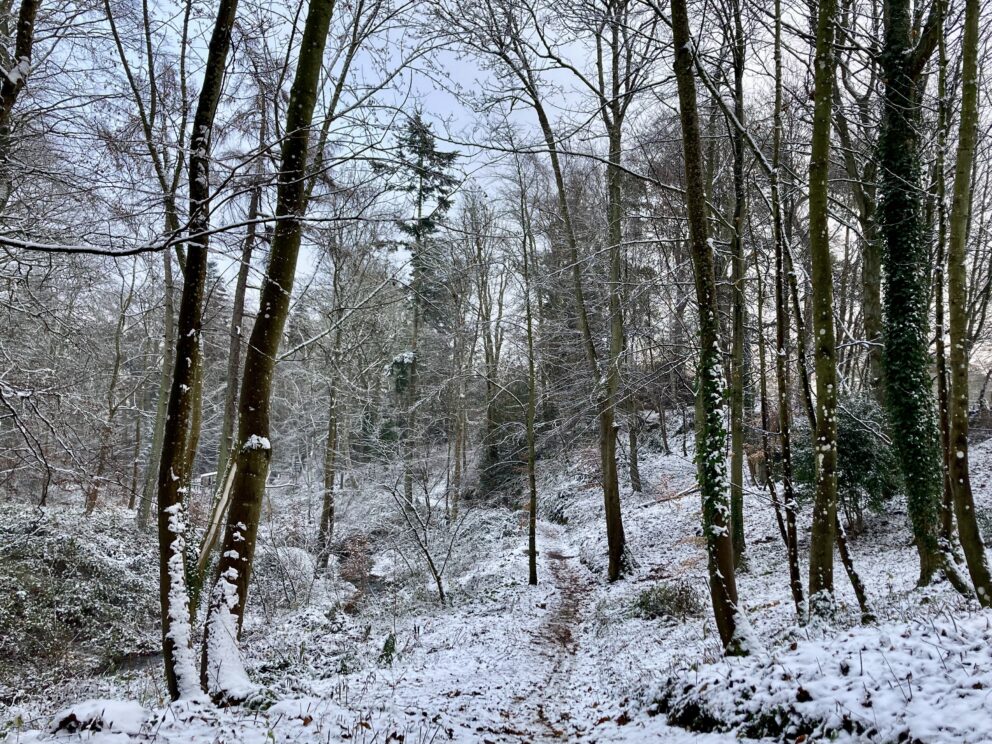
(569, 660)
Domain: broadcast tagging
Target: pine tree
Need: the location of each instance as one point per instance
(426, 174)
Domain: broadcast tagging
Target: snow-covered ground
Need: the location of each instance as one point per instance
(572, 659)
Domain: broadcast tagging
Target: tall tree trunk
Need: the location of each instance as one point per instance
(738, 271)
(180, 667)
(908, 390)
(221, 667)
(237, 329)
(821, 559)
(711, 436)
(332, 446)
(947, 539)
(607, 434)
(615, 538)
(957, 281)
(326, 530)
(12, 84)
(135, 469)
(531, 396)
(782, 333)
(148, 492)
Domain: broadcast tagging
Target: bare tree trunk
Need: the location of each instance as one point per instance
(957, 281)
(148, 493)
(738, 271)
(326, 530)
(867, 616)
(607, 413)
(821, 569)
(782, 333)
(238, 316)
(947, 538)
(330, 457)
(527, 245)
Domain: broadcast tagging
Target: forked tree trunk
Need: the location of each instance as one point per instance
(221, 667)
(711, 436)
(607, 434)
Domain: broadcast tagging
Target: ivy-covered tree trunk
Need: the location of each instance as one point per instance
(180, 667)
(711, 436)
(908, 390)
(957, 287)
(821, 552)
(221, 667)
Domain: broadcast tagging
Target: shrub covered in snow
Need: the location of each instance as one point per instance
(922, 681)
(675, 599)
(77, 593)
